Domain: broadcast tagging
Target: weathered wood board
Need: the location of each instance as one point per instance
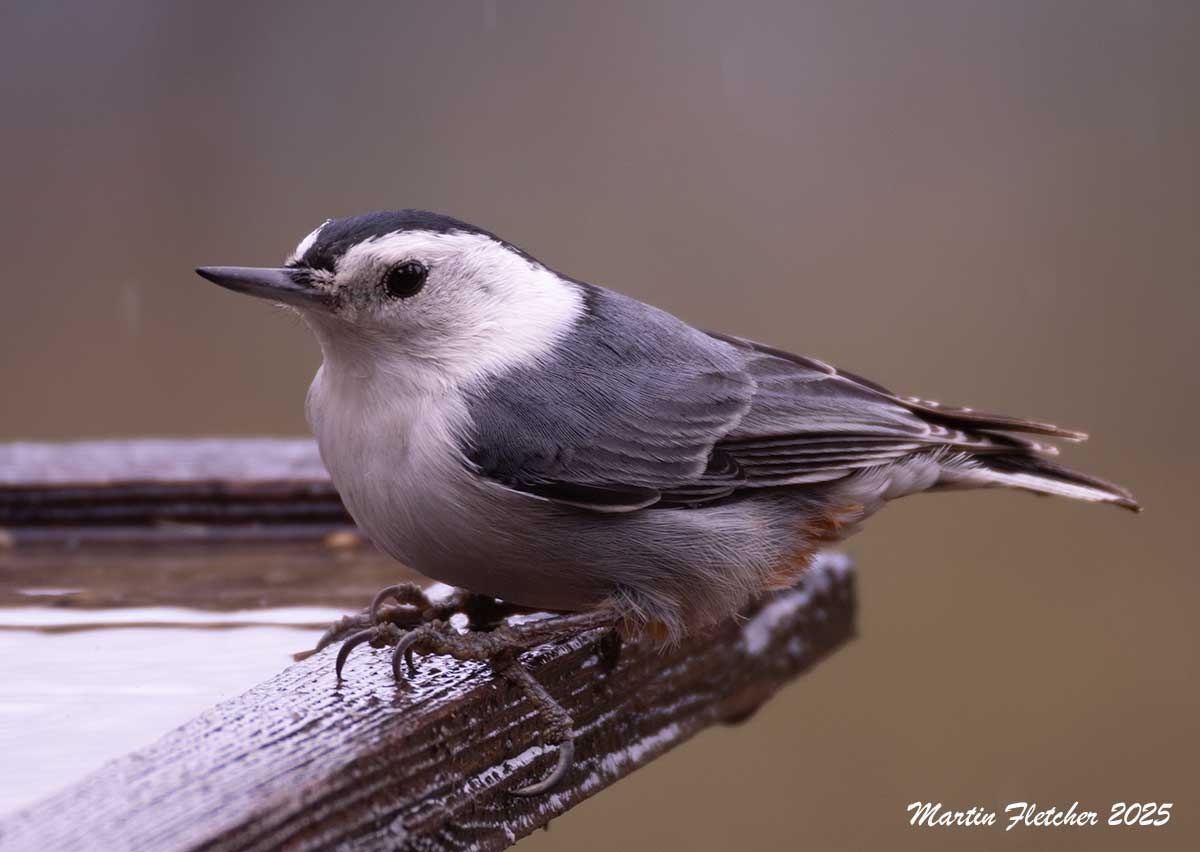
(166, 490)
(300, 763)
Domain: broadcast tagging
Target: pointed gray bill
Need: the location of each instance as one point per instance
(290, 286)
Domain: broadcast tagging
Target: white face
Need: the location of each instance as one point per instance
(480, 308)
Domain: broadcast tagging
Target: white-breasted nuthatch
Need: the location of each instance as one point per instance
(506, 429)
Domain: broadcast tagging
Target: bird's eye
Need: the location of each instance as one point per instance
(406, 279)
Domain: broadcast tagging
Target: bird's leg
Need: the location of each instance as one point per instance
(438, 637)
(559, 729)
(412, 608)
(501, 648)
(414, 603)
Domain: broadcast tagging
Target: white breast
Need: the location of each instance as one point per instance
(392, 453)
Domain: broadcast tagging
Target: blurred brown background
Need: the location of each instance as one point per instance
(994, 204)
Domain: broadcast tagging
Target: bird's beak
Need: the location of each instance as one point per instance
(290, 286)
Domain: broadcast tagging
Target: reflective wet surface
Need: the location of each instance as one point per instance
(105, 649)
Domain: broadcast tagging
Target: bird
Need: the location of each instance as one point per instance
(533, 438)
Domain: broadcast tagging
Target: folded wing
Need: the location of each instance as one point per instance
(642, 410)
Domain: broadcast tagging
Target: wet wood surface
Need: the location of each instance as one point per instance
(149, 490)
(344, 572)
(300, 763)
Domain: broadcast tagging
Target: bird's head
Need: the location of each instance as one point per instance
(407, 289)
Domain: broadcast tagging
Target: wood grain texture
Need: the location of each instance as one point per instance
(299, 763)
(166, 490)
(149, 460)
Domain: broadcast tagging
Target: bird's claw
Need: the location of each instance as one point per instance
(402, 593)
(566, 756)
(403, 652)
(349, 645)
(424, 627)
(559, 725)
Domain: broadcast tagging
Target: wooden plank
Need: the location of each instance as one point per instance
(116, 462)
(151, 490)
(300, 763)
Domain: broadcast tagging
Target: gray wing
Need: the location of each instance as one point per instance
(810, 422)
(628, 409)
(638, 409)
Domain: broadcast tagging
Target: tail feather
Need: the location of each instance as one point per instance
(1034, 473)
(970, 419)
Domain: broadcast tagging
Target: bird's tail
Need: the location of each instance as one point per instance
(1031, 472)
(1015, 461)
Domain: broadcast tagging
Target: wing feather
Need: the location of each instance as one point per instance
(642, 410)
(625, 417)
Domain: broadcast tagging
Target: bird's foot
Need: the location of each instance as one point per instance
(500, 646)
(406, 606)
